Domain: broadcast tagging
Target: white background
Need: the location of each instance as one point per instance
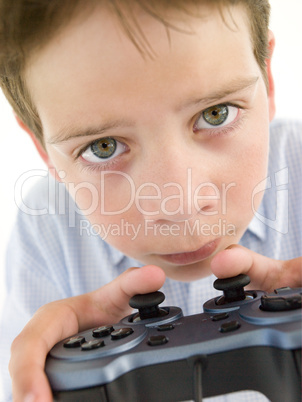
(17, 154)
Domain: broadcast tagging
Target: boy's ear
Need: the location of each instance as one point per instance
(271, 89)
(39, 147)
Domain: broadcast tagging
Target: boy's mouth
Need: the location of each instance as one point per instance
(191, 257)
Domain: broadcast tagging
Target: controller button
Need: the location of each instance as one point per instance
(74, 342)
(121, 333)
(233, 289)
(102, 331)
(165, 327)
(280, 301)
(283, 290)
(94, 344)
(157, 340)
(147, 305)
(147, 300)
(220, 316)
(229, 326)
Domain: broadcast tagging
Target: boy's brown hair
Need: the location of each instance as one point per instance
(27, 25)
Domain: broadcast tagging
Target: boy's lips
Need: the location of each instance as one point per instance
(190, 257)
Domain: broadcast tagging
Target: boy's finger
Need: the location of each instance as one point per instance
(265, 273)
(32, 386)
(29, 382)
(113, 299)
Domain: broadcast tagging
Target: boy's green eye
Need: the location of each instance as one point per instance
(104, 148)
(216, 115)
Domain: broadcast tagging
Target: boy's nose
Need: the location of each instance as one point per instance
(176, 194)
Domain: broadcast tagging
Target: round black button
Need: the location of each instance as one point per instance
(105, 330)
(147, 305)
(121, 333)
(74, 342)
(157, 340)
(232, 288)
(238, 281)
(147, 300)
(94, 344)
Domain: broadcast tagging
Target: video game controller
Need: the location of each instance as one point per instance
(244, 340)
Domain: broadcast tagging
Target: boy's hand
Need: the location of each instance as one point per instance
(58, 320)
(265, 273)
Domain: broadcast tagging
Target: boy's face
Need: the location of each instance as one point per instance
(162, 154)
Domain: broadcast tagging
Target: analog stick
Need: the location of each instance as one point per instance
(147, 305)
(233, 289)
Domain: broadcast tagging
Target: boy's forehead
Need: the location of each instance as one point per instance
(143, 29)
(95, 55)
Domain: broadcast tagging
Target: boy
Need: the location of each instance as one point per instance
(155, 117)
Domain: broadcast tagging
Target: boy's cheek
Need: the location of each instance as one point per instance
(96, 194)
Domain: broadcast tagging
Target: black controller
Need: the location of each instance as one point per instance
(244, 340)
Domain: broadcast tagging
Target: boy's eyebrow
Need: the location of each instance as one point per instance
(68, 133)
(232, 87)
